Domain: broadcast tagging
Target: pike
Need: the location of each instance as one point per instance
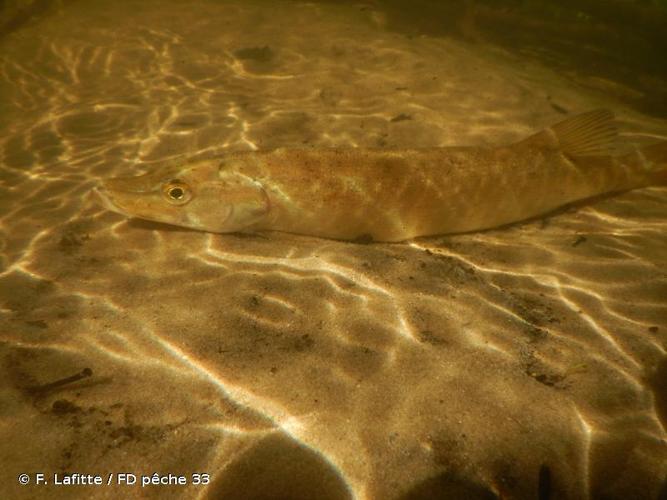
(391, 194)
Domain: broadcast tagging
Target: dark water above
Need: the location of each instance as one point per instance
(518, 362)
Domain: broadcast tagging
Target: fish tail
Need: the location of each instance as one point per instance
(655, 162)
(592, 138)
(649, 163)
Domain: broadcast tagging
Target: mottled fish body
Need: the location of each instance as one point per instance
(391, 195)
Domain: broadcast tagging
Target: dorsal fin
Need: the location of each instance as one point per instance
(588, 134)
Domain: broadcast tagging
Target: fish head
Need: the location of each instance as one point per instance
(201, 195)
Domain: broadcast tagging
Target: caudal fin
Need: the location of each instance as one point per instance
(649, 163)
(655, 158)
(594, 135)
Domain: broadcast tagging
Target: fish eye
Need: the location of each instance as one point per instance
(176, 192)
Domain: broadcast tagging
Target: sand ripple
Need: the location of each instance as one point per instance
(473, 365)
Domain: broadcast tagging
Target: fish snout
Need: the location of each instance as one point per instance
(105, 198)
(118, 194)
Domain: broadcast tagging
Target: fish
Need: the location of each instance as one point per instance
(392, 195)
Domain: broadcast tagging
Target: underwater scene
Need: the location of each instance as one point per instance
(333, 250)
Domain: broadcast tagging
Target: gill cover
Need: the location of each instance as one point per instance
(246, 199)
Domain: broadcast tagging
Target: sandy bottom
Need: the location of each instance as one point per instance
(519, 362)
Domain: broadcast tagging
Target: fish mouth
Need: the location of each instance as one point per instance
(105, 197)
(129, 204)
(121, 197)
(119, 194)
